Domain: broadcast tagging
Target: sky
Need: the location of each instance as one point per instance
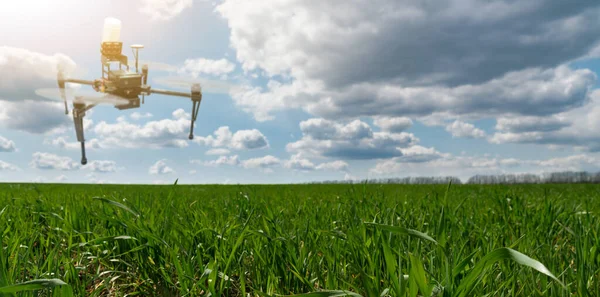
(297, 91)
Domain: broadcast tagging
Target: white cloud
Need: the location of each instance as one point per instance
(102, 166)
(63, 143)
(36, 117)
(261, 103)
(162, 10)
(7, 166)
(197, 67)
(7, 145)
(393, 124)
(462, 167)
(138, 116)
(464, 130)
(49, 161)
(531, 124)
(354, 140)
(350, 177)
(571, 163)
(333, 166)
(218, 151)
(223, 160)
(419, 154)
(264, 163)
(160, 167)
(23, 71)
(153, 134)
(241, 140)
(94, 179)
(61, 178)
(298, 163)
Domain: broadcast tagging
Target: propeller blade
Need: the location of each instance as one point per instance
(86, 96)
(209, 86)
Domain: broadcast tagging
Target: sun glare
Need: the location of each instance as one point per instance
(30, 10)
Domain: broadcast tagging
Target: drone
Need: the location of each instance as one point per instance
(121, 86)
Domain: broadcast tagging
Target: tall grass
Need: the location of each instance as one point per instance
(317, 240)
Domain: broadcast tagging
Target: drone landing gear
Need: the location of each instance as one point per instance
(195, 109)
(78, 114)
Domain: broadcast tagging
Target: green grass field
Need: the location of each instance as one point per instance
(372, 240)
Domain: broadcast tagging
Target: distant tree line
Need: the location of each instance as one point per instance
(566, 177)
(405, 180)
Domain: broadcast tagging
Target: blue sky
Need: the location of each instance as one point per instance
(298, 91)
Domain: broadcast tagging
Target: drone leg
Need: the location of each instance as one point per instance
(195, 109)
(83, 158)
(78, 120)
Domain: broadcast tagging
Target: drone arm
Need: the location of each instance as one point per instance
(170, 93)
(79, 81)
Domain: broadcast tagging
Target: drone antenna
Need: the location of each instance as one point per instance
(136, 48)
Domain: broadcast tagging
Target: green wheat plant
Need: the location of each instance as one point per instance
(299, 240)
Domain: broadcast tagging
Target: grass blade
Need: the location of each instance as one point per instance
(327, 294)
(403, 231)
(117, 204)
(37, 284)
(497, 255)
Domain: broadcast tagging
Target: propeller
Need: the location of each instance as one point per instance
(81, 96)
(210, 86)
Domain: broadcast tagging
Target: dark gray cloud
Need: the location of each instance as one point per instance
(398, 58)
(579, 127)
(410, 42)
(526, 92)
